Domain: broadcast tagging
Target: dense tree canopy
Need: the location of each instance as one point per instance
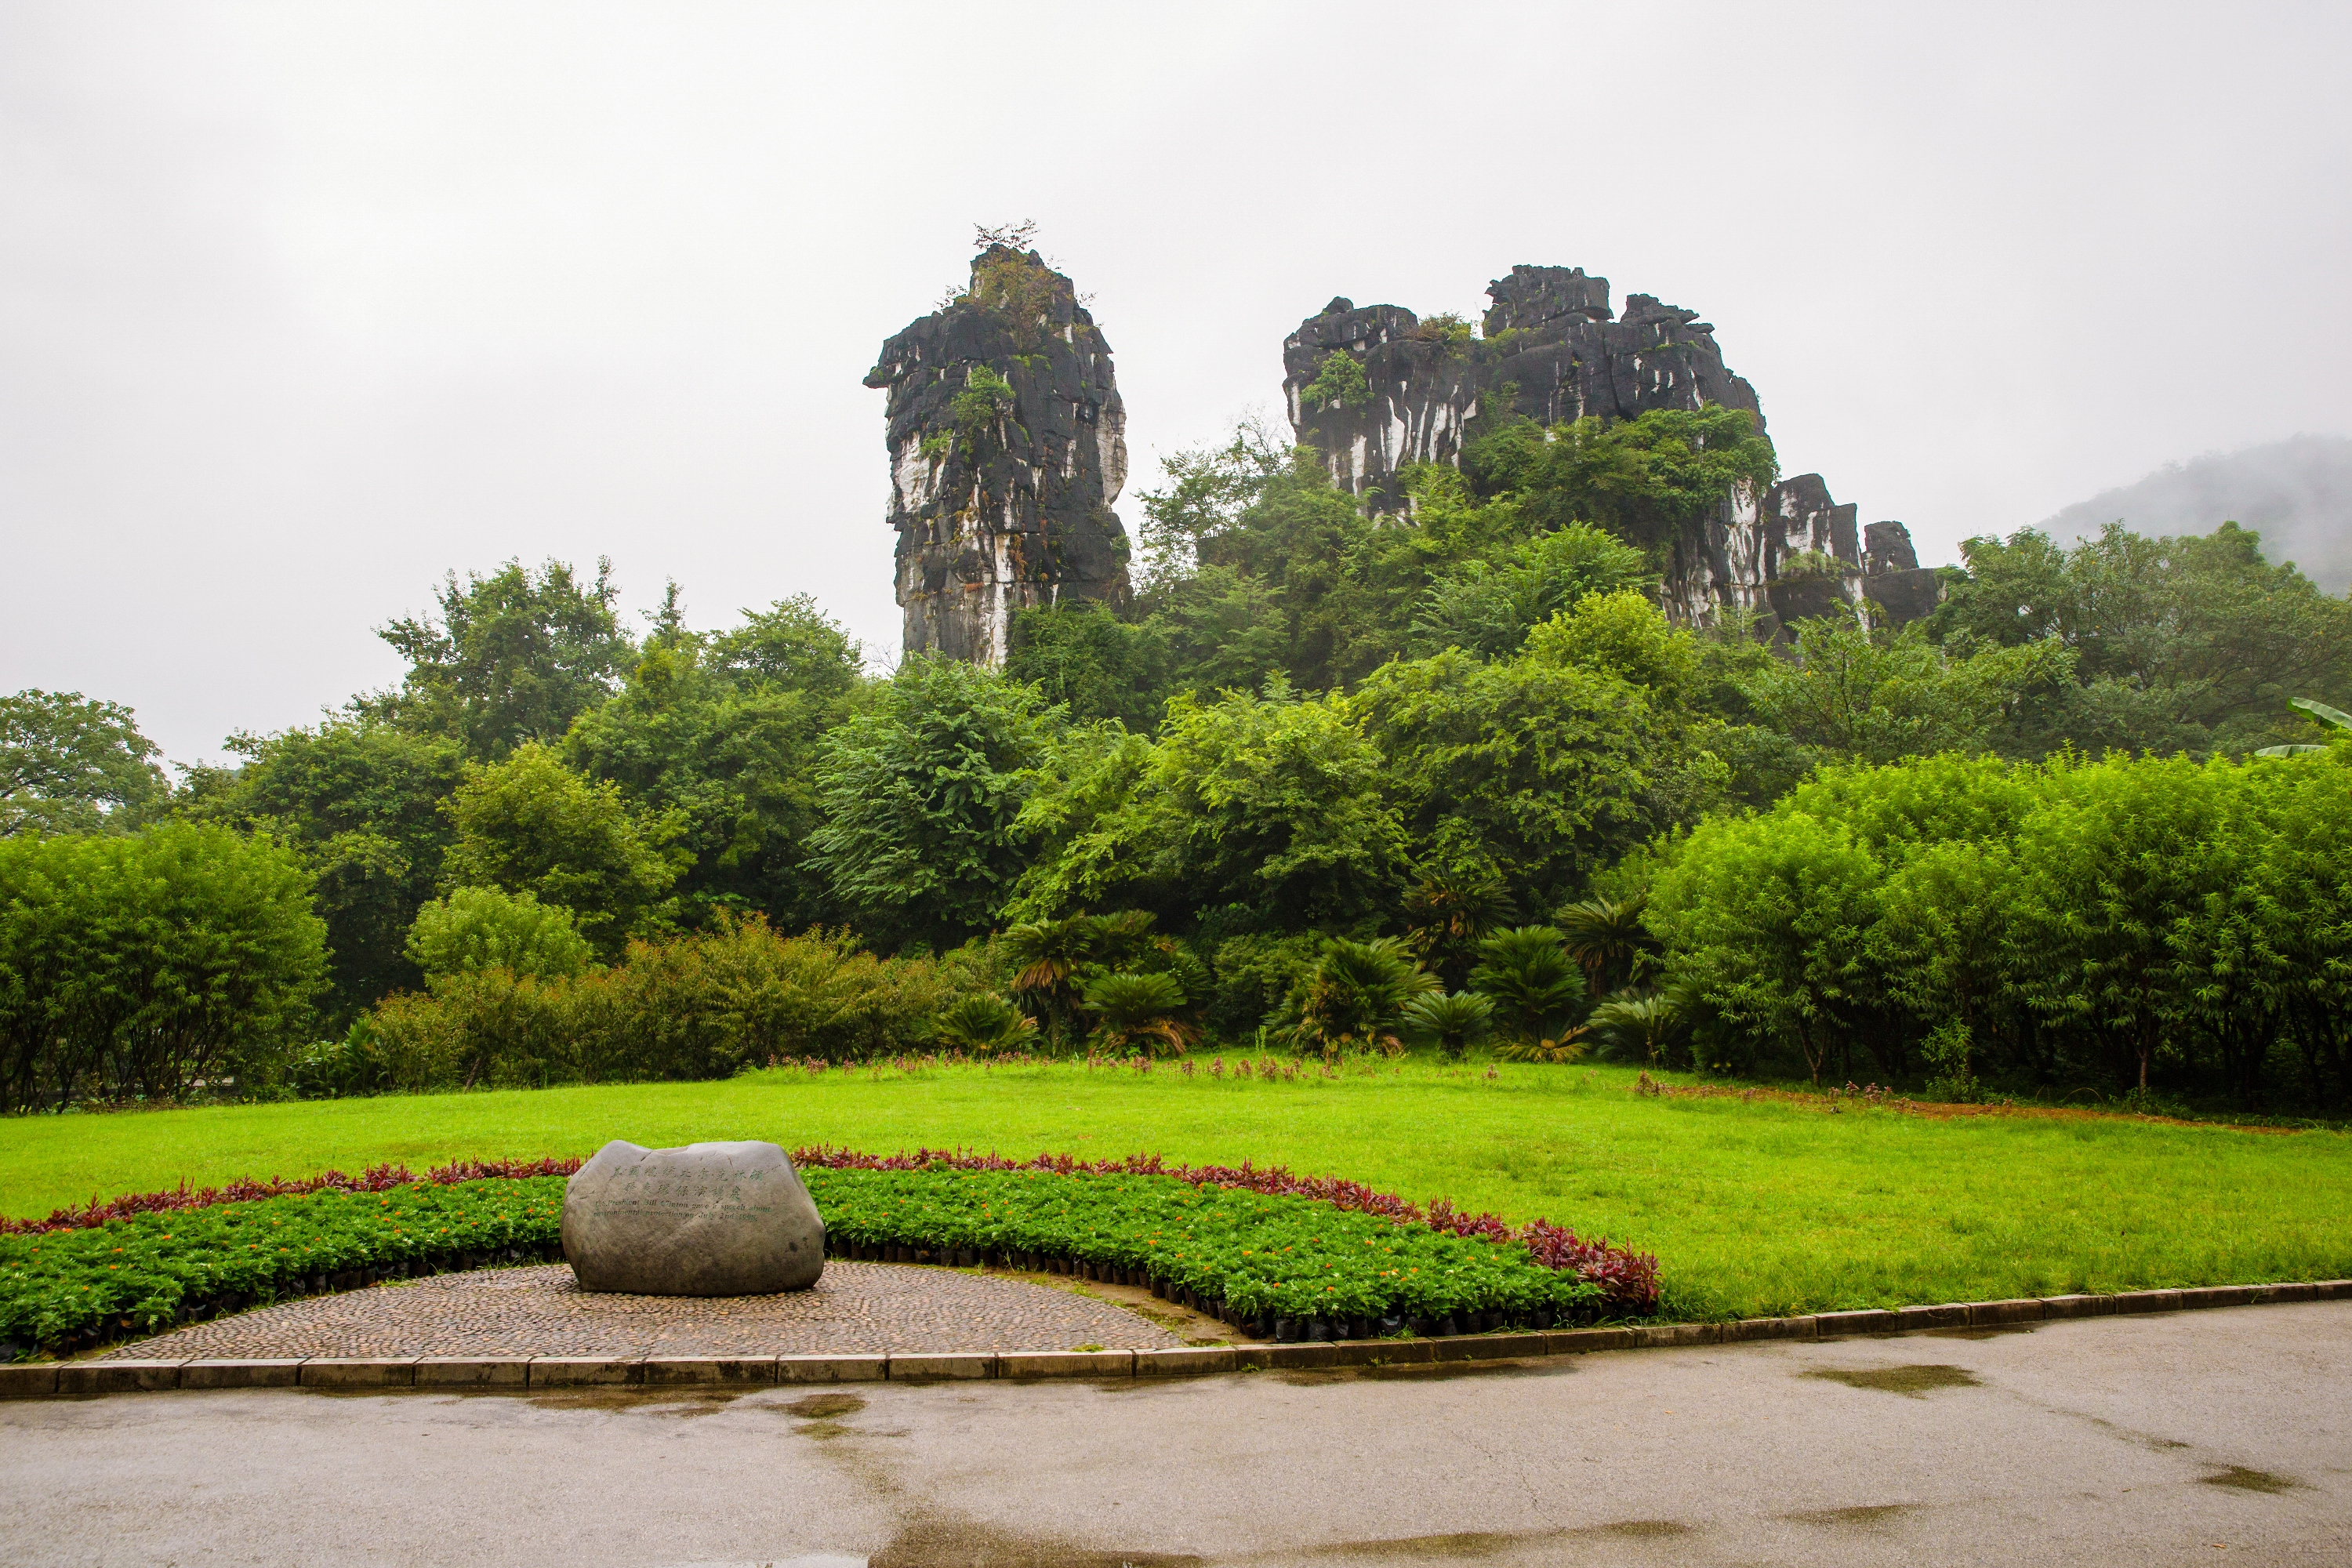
(1320, 761)
(514, 656)
(141, 964)
(74, 764)
(921, 795)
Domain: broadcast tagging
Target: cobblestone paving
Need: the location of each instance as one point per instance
(538, 1310)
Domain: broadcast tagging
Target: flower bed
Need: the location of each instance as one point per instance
(1261, 1247)
(143, 1270)
(1276, 1263)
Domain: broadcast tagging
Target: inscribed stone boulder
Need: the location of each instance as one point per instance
(709, 1219)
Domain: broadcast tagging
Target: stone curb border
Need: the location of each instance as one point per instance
(520, 1374)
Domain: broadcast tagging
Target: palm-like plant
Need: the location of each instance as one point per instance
(1640, 1025)
(1139, 1010)
(1449, 911)
(1049, 955)
(2319, 711)
(1538, 990)
(1607, 939)
(1453, 1024)
(983, 1025)
(1355, 993)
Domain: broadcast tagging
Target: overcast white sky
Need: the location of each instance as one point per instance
(302, 305)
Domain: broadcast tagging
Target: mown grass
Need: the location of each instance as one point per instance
(1754, 1207)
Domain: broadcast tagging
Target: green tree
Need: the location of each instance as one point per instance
(2180, 644)
(724, 732)
(1536, 989)
(483, 928)
(1545, 771)
(360, 802)
(2303, 882)
(1269, 803)
(2109, 868)
(71, 764)
(921, 798)
(1487, 606)
(530, 824)
(1650, 480)
(514, 657)
(1766, 919)
(1355, 997)
(1853, 694)
(1085, 658)
(148, 963)
(1339, 379)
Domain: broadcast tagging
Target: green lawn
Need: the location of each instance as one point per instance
(1752, 1207)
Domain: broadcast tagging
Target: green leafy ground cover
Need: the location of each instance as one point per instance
(1261, 1256)
(135, 1275)
(1754, 1207)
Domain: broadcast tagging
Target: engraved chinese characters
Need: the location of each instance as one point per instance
(709, 1219)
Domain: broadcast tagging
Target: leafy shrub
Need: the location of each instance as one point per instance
(1608, 941)
(149, 963)
(699, 1006)
(1453, 1024)
(139, 1273)
(986, 398)
(983, 1025)
(529, 823)
(1339, 379)
(1357, 993)
(1256, 1256)
(1538, 991)
(486, 928)
(1637, 1026)
(1139, 1009)
(1450, 910)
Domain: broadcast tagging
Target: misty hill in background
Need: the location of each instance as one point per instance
(2296, 493)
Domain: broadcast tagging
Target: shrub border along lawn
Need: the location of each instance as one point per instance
(121, 1259)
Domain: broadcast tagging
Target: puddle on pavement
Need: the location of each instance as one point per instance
(1914, 1381)
(2237, 1477)
(1419, 1371)
(1466, 1545)
(1985, 1332)
(819, 1415)
(963, 1544)
(1469, 1545)
(1867, 1516)
(677, 1402)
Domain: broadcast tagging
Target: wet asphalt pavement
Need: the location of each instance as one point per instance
(2213, 1437)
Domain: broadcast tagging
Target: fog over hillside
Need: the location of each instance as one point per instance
(2296, 493)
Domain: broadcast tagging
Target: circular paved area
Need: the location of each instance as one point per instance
(855, 1308)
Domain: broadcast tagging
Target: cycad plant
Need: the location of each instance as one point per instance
(1050, 953)
(1132, 1010)
(1608, 941)
(1356, 993)
(983, 1025)
(1638, 1026)
(1538, 991)
(1449, 911)
(1453, 1024)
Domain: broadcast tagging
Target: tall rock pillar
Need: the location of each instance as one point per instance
(1008, 445)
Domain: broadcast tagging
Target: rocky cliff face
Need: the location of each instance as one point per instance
(1551, 343)
(1008, 445)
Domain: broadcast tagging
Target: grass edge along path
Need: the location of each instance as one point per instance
(114, 1270)
(1755, 1208)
